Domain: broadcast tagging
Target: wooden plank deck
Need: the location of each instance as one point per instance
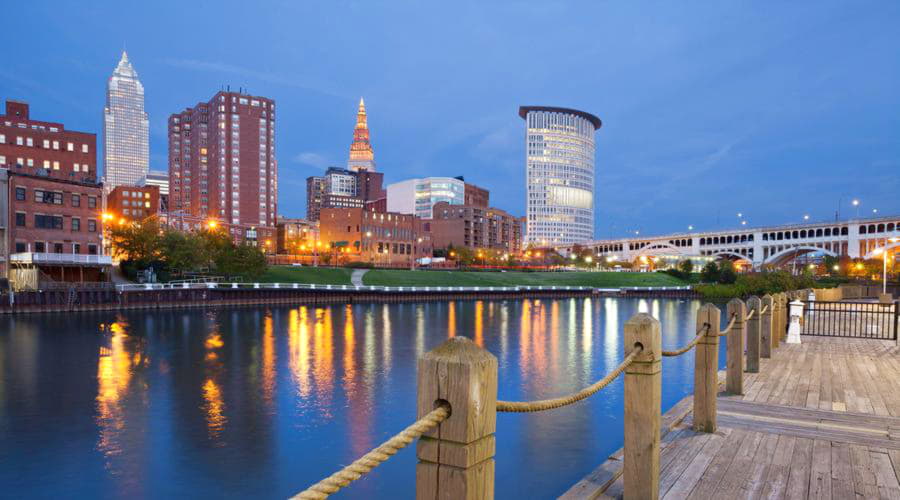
(820, 420)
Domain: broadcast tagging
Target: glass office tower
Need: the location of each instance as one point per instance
(126, 129)
(560, 175)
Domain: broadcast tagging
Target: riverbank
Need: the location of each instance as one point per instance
(395, 277)
(165, 296)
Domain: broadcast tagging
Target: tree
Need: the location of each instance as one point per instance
(727, 275)
(710, 273)
(686, 266)
(180, 251)
(136, 241)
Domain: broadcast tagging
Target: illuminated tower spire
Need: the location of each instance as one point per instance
(362, 158)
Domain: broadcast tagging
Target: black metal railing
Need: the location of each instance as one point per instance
(866, 320)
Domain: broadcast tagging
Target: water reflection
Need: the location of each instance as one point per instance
(260, 402)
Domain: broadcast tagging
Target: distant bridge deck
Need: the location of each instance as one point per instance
(820, 420)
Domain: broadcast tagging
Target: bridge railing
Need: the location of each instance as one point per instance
(458, 405)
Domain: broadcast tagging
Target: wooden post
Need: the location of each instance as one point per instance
(753, 335)
(782, 317)
(706, 370)
(776, 319)
(643, 399)
(734, 374)
(766, 339)
(456, 459)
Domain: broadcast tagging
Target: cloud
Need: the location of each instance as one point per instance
(324, 88)
(311, 159)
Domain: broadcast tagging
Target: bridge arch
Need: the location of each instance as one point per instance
(732, 256)
(787, 254)
(665, 247)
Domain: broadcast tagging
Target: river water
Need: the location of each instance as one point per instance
(261, 402)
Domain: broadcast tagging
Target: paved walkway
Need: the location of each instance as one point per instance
(820, 420)
(356, 278)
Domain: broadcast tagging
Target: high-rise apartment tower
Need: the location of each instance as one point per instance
(222, 167)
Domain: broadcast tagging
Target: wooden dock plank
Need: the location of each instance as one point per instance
(820, 420)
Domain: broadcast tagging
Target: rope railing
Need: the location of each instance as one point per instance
(700, 334)
(550, 404)
(764, 310)
(728, 327)
(749, 316)
(333, 483)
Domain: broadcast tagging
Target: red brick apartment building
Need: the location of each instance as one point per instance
(476, 227)
(54, 201)
(382, 239)
(132, 202)
(222, 167)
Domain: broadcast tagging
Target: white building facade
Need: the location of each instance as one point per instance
(418, 196)
(126, 129)
(560, 152)
(773, 245)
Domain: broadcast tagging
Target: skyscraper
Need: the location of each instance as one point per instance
(126, 128)
(362, 158)
(560, 174)
(222, 167)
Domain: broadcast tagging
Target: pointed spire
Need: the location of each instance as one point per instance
(124, 68)
(361, 155)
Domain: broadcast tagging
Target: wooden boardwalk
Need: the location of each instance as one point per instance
(820, 420)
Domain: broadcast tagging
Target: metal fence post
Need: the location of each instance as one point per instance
(456, 459)
(643, 397)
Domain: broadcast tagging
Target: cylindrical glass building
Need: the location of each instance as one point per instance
(560, 174)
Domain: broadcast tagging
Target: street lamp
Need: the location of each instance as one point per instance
(690, 228)
(884, 257)
(806, 217)
(856, 204)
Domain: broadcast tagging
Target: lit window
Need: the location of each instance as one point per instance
(84, 148)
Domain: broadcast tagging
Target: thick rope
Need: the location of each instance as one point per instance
(700, 334)
(752, 312)
(374, 458)
(728, 327)
(764, 310)
(549, 404)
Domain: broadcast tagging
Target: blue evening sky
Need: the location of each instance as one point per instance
(773, 109)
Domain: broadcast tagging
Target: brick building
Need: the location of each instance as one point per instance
(54, 200)
(382, 239)
(222, 167)
(476, 227)
(342, 188)
(290, 233)
(133, 202)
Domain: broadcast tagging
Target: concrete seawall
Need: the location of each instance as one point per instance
(269, 294)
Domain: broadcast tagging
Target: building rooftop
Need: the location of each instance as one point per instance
(524, 110)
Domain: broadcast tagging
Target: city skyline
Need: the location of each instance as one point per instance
(788, 110)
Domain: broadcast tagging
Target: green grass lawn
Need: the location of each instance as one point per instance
(393, 277)
(313, 275)
(460, 278)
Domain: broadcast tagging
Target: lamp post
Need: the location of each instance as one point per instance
(856, 204)
(884, 257)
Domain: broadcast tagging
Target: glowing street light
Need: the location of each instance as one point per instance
(212, 224)
(806, 217)
(690, 228)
